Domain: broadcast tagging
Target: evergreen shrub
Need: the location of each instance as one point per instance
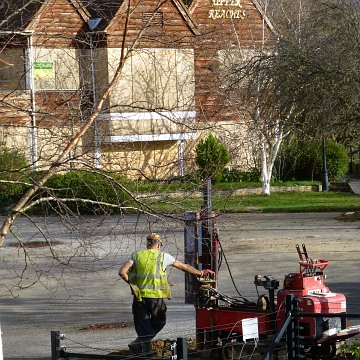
(85, 192)
(211, 158)
(13, 176)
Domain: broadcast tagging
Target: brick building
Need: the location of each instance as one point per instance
(58, 57)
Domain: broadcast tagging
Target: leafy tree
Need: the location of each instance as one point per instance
(302, 160)
(211, 157)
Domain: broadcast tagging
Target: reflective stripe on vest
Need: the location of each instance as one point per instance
(148, 274)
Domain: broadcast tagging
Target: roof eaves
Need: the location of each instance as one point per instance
(266, 18)
(80, 9)
(183, 11)
(187, 17)
(84, 13)
(192, 6)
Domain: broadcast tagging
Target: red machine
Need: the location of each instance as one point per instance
(220, 319)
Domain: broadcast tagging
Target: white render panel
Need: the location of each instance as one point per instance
(153, 78)
(148, 115)
(149, 137)
(64, 73)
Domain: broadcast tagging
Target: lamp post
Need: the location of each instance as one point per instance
(325, 178)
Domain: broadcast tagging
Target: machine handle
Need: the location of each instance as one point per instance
(299, 252)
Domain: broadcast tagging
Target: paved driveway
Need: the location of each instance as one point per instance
(80, 287)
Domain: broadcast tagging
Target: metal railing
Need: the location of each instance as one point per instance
(59, 352)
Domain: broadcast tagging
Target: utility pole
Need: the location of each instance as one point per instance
(325, 179)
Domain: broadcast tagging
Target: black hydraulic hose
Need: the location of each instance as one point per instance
(231, 277)
(232, 301)
(220, 259)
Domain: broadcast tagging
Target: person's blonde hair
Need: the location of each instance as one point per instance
(152, 239)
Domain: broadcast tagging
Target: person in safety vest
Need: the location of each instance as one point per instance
(146, 274)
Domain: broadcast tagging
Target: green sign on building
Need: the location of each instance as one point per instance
(44, 70)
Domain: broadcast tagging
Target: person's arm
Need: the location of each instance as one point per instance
(191, 270)
(186, 268)
(123, 271)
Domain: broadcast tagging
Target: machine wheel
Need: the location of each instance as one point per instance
(239, 350)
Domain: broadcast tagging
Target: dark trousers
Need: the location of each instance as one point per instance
(149, 317)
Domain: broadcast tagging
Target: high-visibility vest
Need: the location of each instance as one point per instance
(148, 274)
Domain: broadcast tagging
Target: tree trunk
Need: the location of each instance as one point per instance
(268, 157)
(266, 170)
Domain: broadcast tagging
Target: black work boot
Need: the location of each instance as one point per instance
(136, 346)
(147, 348)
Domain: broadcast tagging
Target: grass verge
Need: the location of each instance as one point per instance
(276, 202)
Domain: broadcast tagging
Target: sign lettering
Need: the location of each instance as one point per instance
(226, 9)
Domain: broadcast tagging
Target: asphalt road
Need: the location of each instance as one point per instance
(73, 287)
